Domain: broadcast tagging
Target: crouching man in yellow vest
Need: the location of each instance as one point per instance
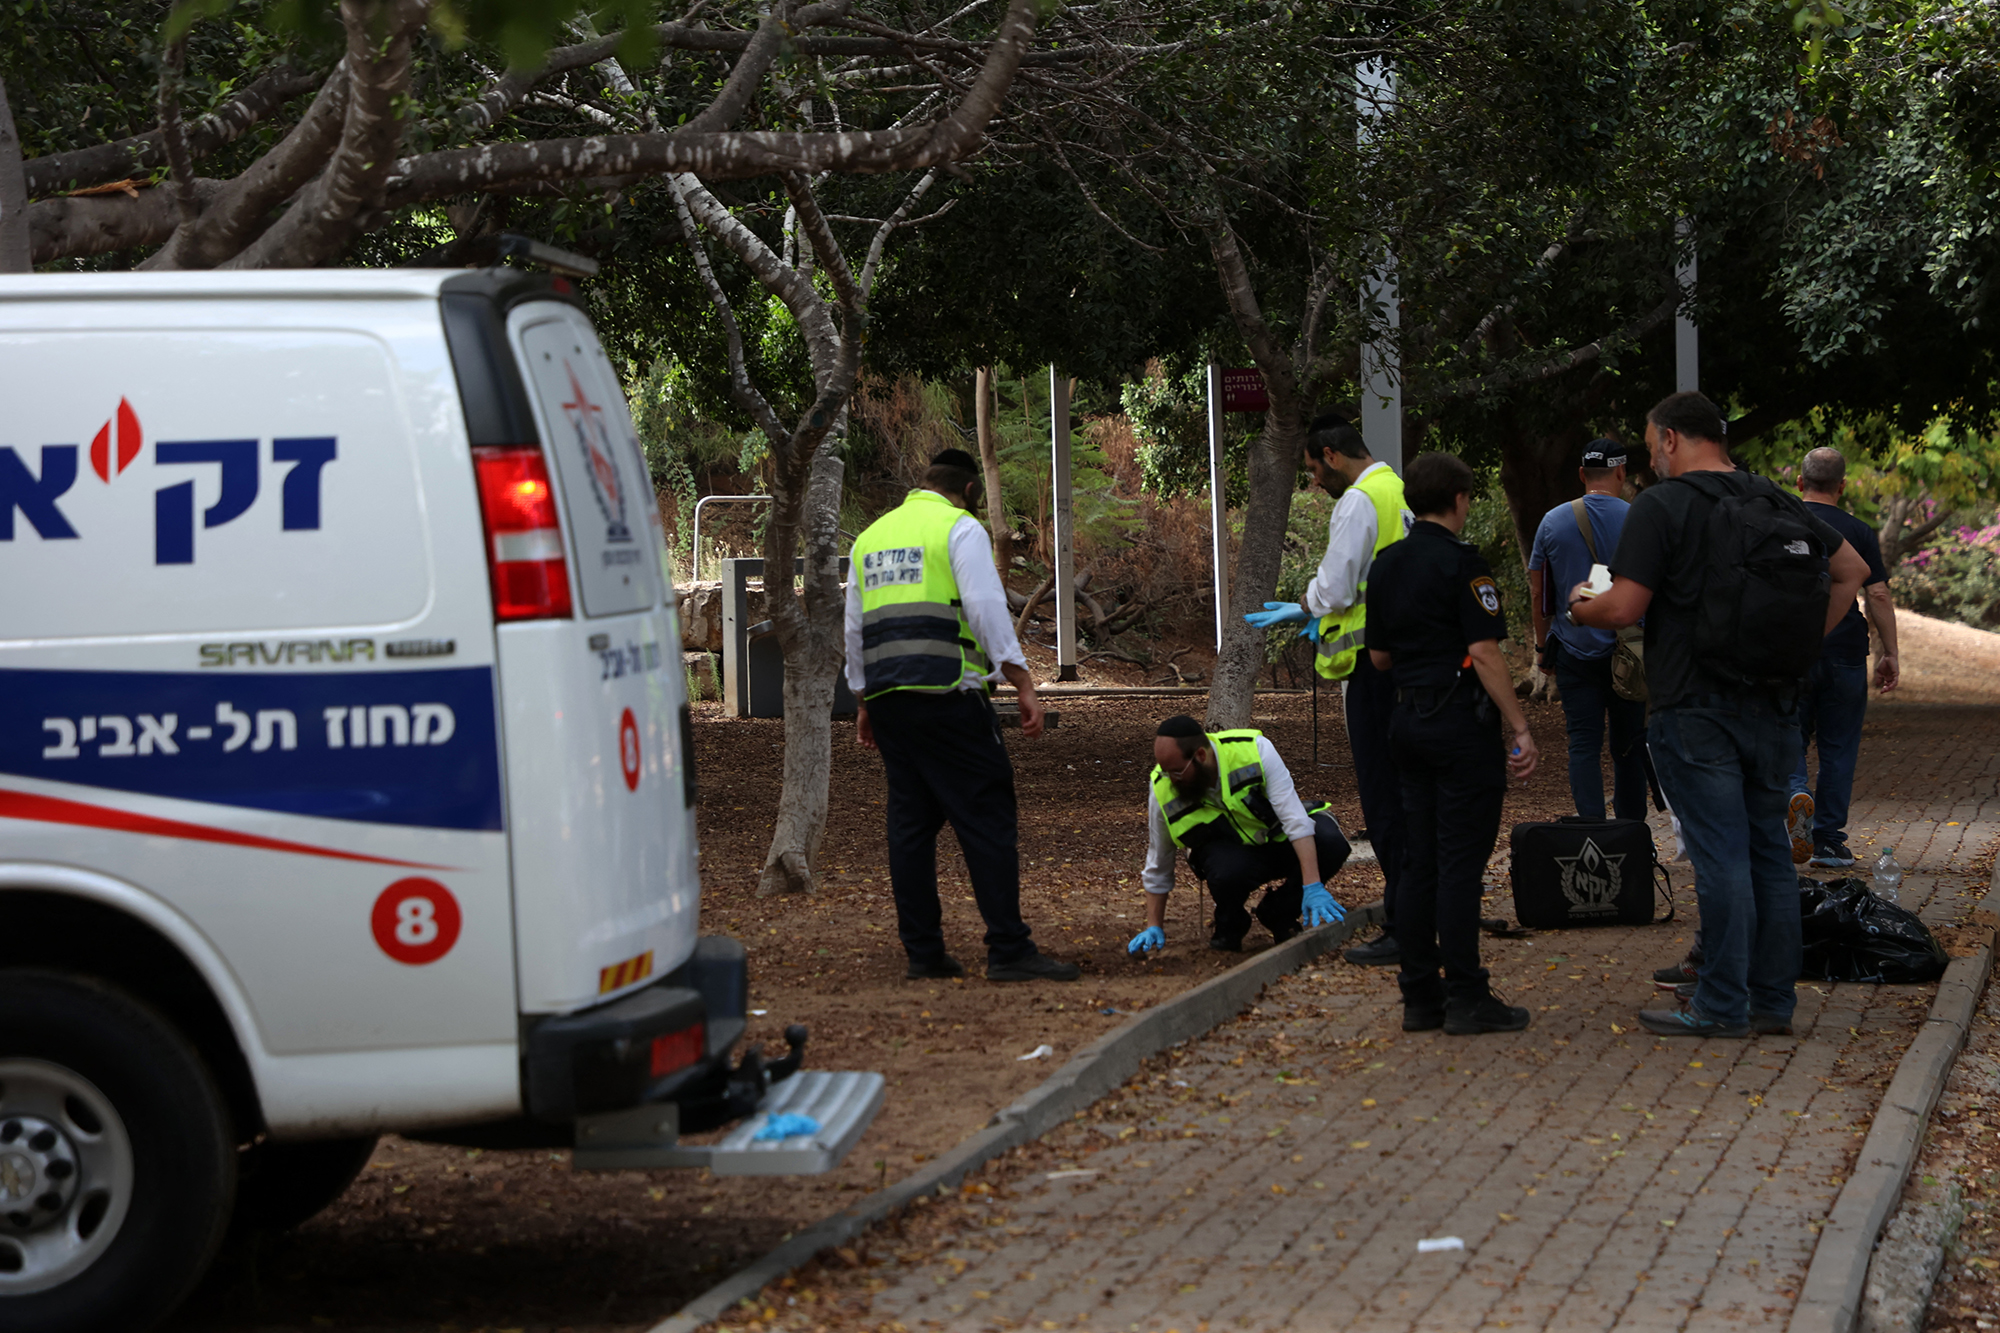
(1227, 799)
(926, 618)
(1369, 516)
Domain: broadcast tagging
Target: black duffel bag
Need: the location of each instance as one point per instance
(1586, 872)
(1851, 935)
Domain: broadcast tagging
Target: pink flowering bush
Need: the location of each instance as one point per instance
(1956, 577)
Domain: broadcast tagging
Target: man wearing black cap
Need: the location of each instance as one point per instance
(927, 620)
(1573, 537)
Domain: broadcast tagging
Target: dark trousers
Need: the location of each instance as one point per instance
(945, 761)
(1371, 698)
(1454, 770)
(1831, 711)
(1726, 765)
(1587, 698)
(1233, 871)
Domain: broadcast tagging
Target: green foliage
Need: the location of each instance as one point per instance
(1305, 547)
(677, 440)
(1168, 408)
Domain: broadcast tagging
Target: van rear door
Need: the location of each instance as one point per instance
(600, 801)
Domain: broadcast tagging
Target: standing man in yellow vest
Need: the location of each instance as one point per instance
(1227, 799)
(1368, 517)
(926, 619)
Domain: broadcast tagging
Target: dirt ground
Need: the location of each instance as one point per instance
(1946, 662)
(448, 1238)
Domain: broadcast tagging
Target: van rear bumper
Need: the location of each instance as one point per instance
(599, 1060)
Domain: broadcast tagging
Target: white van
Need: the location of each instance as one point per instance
(345, 770)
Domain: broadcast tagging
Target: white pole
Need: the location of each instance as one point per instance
(1218, 510)
(1687, 334)
(1065, 589)
(1381, 310)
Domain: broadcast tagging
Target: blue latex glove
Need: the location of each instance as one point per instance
(1312, 630)
(1320, 908)
(787, 1126)
(1278, 613)
(1147, 940)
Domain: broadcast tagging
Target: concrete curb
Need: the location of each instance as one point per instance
(1094, 1071)
(1831, 1297)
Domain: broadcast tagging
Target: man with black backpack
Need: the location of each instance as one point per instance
(1738, 585)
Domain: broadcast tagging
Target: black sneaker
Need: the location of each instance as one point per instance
(1680, 974)
(1035, 967)
(1422, 1018)
(1382, 951)
(1686, 1023)
(943, 968)
(1280, 930)
(1767, 1025)
(1488, 1015)
(1226, 943)
(1828, 857)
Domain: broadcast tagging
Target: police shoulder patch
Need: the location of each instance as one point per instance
(1488, 593)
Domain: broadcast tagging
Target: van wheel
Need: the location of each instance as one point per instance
(117, 1165)
(280, 1185)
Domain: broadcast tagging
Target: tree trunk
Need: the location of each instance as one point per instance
(14, 250)
(989, 462)
(1537, 473)
(1274, 465)
(810, 632)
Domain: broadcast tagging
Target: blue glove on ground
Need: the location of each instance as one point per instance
(787, 1126)
(1320, 908)
(1277, 613)
(1152, 937)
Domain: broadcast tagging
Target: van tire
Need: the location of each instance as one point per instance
(133, 1091)
(280, 1185)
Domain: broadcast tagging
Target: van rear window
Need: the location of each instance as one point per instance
(205, 481)
(608, 505)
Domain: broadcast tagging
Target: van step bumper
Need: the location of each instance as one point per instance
(646, 1138)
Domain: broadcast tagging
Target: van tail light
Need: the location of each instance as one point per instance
(524, 548)
(674, 1051)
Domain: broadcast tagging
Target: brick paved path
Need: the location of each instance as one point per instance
(1280, 1172)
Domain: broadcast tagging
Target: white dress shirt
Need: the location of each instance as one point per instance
(1350, 550)
(981, 597)
(1158, 876)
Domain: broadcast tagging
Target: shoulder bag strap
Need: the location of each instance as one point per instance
(1582, 513)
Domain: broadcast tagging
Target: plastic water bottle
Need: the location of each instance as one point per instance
(1889, 877)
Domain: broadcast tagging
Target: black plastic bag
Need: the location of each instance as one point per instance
(1851, 935)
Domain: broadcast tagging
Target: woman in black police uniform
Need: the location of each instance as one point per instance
(1434, 622)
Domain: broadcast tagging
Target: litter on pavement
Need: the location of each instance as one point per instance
(1038, 1052)
(1439, 1243)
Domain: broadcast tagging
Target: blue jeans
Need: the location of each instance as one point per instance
(1831, 712)
(1726, 765)
(1587, 697)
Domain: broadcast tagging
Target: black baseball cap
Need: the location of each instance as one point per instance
(1602, 452)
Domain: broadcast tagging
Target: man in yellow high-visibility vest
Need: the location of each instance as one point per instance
(926, 619)
(1368, 516)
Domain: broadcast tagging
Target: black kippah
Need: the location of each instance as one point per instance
(1181, 727)
(957, 458)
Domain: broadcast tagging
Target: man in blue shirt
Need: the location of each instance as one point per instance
(1836, 693)
(1581, 656)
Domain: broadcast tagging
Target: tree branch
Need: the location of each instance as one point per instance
(328, 212)
(729, 155)
(888, 227)
(16, 249)
(1552, 367)
(741, 388)
(136, 156)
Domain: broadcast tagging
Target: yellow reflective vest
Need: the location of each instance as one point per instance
(914, 635)
(1239, 784)
(1340, 632)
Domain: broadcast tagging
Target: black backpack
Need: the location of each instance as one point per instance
(1762, 614)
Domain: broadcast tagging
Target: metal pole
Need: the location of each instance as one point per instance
(1687, 334)
(1065, 587)
(1218, 509)
(1381, 310)
(695, 553)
